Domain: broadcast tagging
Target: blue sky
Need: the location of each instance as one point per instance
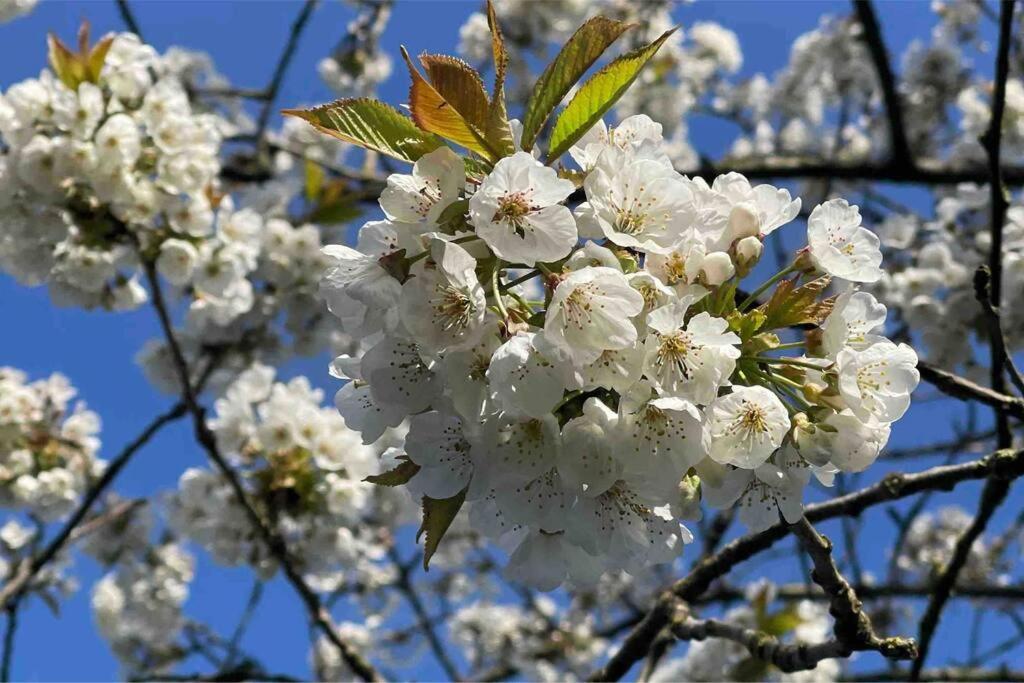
(96, 349)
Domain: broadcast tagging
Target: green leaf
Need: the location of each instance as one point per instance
(598, 95)
(314, 180)
(341, 210)
(370, 124)
(781, 622)
(432, 112)
(405, 471)
(579, 54)
(791, 305)
(437, 517)
(746, 325)
(456, 209)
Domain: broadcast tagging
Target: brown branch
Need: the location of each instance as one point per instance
(788, 657)
(128, 17)
(983, 292)
(892, 487)
(8, 654)
(992, 140)
(966, 390)
(405, 586)
(117, 511)
(872, 35)
(852, 626)
(996, 488)
(994, 493)
(867, 591)
(274, 543)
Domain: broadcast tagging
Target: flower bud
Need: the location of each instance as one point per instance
(743, 222)
(716, 268)
(748, 253)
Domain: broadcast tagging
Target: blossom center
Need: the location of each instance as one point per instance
(513, 209)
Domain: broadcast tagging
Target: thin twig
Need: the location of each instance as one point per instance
(243, 622)
(872, 36)
(408, 589)
(966, 390)
(13, 589)
(128, 17)
(8, 656)
(996, 488)
(892, 487)
(994, 493)
(282, 66)
(785, 656)
(983, 293)
(852, 626)
(274, 543)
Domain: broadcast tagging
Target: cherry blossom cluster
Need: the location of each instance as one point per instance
(929, 279)
(358, 64)
(101, 176)
(95, 167)
(138, 607)
(48, 446)
(303, 469)
(932, 538)
(570, 415)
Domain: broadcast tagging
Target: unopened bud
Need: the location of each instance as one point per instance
(743, 221)
(805, 262)
(748, 252)
(716, 268)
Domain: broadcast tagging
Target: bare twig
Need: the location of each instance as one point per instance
(966, 390)
(992, 496)
(274, 543)
(270, 93)
(992, 142)
(867, 591)
(996, 488)
(872, 36)
(894, 486)
(15, 588)
(243, 622)
(128, 17)
(412, 596)
(8, 655)
(983, 293)
(787, 657)
(852, 627)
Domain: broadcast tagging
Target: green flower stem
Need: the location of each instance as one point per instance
(795, 362)
(522, 302)
(544, 269)
(496, 290)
